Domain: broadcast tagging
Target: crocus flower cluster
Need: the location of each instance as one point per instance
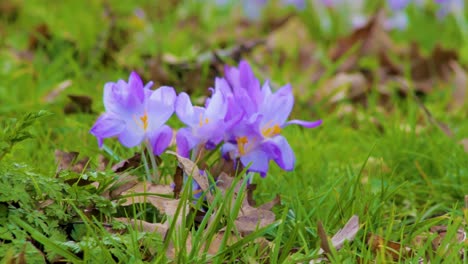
(241, 116)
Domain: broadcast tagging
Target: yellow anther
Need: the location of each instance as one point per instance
(144, 119)
(271, 131)
(241, 142)
(200, 121)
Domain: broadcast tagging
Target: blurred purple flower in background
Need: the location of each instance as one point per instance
(135, 114)
(447, 7)
(299, 4)
(397, 5)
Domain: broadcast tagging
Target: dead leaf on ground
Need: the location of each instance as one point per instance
(102, 163)
(447, 131)
(144, 226)
(130, 163)
(464, 143)
(40, 35)
(390, 248)
(9, 10)
(215, 244)
(343, 86)
(56, 91)
(441, 232)
(79, 104)
(347, 233)
(145, 192)
(201, 70)
(460, 94)
(68, 161)
(122, 184)
(178, 182)
(369, 39)
(191, 169)
(250, 219)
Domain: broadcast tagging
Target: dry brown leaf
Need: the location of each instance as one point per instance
(171, 252)
(466, 202)
(9, 10)
(441, 232)
(144, 226)
(464, 143)
(213, 247)
(436, 65)
(102, 163)
(39, 36)
(251, 219)
(145, 192)
(324, 243)
(178, 182)
(369, 39)
(190, 168)
(347, 233)
(447, 131)
(390, 248)
(56, 91)
(79, 104)
(130, 163)
(460, 95)
(343, 86)
(123, 183)
(68, 161)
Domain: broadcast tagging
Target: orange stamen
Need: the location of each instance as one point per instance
(241, 142)
(271, 131)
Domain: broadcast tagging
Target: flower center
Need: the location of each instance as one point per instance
(142, 121)
(202, 122)
(241, 142)
(271, 131)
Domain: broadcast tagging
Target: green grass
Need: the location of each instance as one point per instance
(400, 179)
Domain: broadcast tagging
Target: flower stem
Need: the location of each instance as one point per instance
(145, 163)
(156, 175)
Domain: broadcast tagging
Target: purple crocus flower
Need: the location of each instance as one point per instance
(256, 138)
(134, 114)
(205, 124)
(299, 4)
(397, 5)
(446, 7)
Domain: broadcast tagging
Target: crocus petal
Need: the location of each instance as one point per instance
(120, 100)
(135, 86)
(277, 107)
(257, 160)
(148, 85)
(160, 106)
(111, 99)
(131, 136)
(229, 150)
(184, 110)
(283, 154)
(307, 124)
(107, 126)
(217, 107)
(185, 142)
(160, 139)
(248, 80)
